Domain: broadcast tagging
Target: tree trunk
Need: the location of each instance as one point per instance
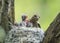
(1, 6)
(11, 11)
(6, 14)
(52, 34)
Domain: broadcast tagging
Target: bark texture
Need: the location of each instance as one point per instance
(52, 34)
(7, 13)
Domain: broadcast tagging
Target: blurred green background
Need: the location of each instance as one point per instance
(47, 9)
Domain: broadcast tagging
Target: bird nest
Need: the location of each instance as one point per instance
(24, 35)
